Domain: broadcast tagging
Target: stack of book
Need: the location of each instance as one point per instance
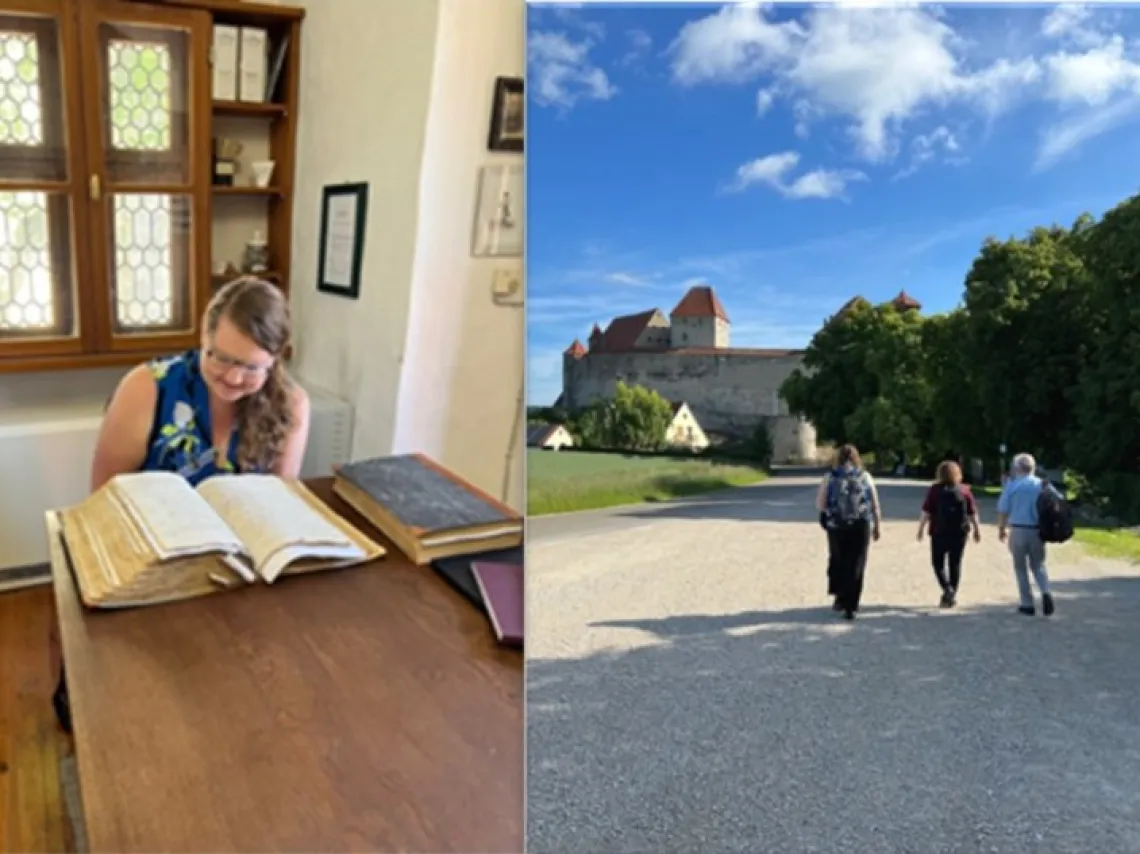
(150, 537)
(492, 582)
(427, 511)
(501, 588)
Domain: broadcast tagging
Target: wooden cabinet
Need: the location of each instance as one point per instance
(108, 213)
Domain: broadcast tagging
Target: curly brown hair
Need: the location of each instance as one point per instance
(260, 311)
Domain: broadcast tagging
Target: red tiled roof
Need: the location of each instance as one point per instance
(905, 300)
(576, 350)
(623, 332)
(700, 301)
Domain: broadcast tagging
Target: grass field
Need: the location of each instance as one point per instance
(560, 482)
(1109, 542)
(1100, 541)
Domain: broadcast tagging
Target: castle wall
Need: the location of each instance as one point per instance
(728, 393)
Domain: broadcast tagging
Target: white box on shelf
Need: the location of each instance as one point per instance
(225, 67)
(252, 64)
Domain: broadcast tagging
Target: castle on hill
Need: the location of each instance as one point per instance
(687, 357)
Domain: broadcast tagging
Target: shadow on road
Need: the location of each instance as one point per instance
(972, 730)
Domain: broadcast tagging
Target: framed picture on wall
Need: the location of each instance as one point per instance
(344, 211)
(507, 115)
(499, 212)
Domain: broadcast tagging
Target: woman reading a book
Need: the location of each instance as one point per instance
(225, 408)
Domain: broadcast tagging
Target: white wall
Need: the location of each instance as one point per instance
(398, 94)
(365, 82)
(460, 393)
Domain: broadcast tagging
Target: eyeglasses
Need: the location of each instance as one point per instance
(229, 363)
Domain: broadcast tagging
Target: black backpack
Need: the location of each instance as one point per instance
(848, 504)
(1054, 517)
(950, 511)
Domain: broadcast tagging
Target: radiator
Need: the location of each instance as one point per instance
(45, 464)
(330, 432)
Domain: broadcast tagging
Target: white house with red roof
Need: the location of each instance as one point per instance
(687, 355)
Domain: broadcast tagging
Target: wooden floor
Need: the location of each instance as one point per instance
(32, 813)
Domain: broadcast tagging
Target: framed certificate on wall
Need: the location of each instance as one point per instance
(344, 212)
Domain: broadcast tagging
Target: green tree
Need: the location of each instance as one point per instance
(833, 377)
(864, 381)
(957, 417)
(1104, 444)
(1026, 302)
(636, 419)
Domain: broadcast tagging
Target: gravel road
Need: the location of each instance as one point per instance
(689, 690)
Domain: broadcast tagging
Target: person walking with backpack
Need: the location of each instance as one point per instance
(1019, 520)
(849, 502)
(949, 511)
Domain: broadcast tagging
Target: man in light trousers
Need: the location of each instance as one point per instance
(1017, 513)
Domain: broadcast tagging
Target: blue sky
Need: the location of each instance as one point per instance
(795, 156)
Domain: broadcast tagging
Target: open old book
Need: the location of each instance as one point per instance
(150, 537)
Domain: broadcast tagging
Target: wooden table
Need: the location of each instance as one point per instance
(364, 709)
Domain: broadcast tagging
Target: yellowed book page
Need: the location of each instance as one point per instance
(172, 516)
(276, 525)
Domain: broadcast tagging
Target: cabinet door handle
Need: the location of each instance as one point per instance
(96, 189)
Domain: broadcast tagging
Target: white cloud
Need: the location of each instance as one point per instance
(1062, 139)
(1098, 87)
(775, 171)
(1071, 22)
(561, 73)
(570, 14)
(765, 98)
(766, 170)
(733, 45)
(640, 42)
(1064, 19)
(822, 184)
(631, 279)
(883, 70)
(1093, 77)
(940, 143)
(876, 67)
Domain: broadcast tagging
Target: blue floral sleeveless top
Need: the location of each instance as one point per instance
(181, 436)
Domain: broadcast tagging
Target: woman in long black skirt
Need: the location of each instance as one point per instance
(849, 502)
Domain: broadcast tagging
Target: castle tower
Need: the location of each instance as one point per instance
(905, 302)
(595, 338)
(699, 320)
(570, 357)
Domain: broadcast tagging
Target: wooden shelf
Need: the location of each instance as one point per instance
(223, 190)
(254, 109)
(243, 11)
